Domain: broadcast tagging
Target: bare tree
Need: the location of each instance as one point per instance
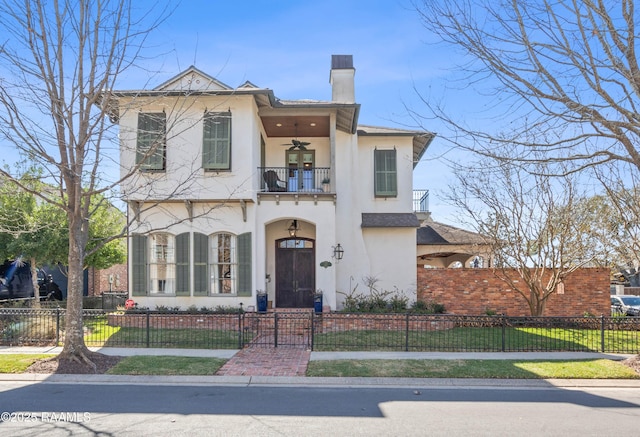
(566, 68)
(615, 219)
(56, 59)
(531, 222)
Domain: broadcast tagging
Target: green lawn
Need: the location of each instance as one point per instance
(99, 334)
(18, 363)
(167, 365)
(481, 339)
(587, 369)
(504, 369)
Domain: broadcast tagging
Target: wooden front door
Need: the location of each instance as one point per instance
(295, 273)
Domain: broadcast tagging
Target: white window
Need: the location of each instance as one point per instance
(223, 265)
(162, 264)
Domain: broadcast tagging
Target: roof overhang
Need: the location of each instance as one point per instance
(390, 220)
(421, 139)
(300, 114)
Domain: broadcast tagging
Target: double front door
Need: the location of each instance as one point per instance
(295, 273)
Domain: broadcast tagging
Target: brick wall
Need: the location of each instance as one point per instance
(295, 324)
(99, 280)
(473, 291)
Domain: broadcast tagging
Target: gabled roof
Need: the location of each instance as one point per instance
(439, 233)
(421, 139)
(192, 79)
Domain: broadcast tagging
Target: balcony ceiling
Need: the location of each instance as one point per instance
(296, 126)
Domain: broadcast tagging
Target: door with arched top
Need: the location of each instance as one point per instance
(295, 272)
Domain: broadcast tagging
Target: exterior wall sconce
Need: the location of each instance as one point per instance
(338, 252)
(293, 228)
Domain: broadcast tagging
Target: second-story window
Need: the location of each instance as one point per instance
(385, 173)
(216, 141)
(151, 147)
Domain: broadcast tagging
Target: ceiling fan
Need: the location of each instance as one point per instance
(296, 144)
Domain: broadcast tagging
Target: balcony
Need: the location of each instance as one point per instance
(421, 204)
(304, 184)
(286, 180)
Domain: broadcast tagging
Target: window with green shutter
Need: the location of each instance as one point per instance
(139, 265)
(244, 264)
(162, 263)
(216, 141)
(151, 147)
(200, 264)
(223, 265)
(183, 282)
(385, 173)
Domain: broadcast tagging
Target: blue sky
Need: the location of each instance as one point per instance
(287, 46)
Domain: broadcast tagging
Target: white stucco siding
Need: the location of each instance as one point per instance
(350, 197)
(404, 151)
(184, 177)
(392, 253)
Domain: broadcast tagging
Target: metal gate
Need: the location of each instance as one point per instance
(293, 329)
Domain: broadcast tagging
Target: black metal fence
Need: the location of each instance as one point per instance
(326, 331)
(112, 300)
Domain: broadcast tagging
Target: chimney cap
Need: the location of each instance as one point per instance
(339, 62)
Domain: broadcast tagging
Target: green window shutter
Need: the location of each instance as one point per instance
(151, 145)
(385, 173)
(182, 265)
(244, 264)
(200, 264)
(139, 265)
(216, 141)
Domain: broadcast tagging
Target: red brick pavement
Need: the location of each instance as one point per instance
(260, 361)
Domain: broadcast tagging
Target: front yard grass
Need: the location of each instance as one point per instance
(405, 368)
(18, 363)
(167, 365)
(99, 334)
(494, 369)
(478, 339)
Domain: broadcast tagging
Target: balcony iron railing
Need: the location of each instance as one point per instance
(420, 200)
(301, 180)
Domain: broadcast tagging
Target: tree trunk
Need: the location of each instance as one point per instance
(74, 346)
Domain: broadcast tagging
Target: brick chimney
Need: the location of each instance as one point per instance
(341, 79)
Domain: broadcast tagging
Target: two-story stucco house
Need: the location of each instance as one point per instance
(233, 190)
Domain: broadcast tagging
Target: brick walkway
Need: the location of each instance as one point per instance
(262, 361)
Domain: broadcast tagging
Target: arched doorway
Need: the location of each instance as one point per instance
(295, 272)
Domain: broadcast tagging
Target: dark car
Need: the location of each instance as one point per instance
(625, 305)
(16, 283)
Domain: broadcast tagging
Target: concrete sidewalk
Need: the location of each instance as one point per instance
(228, 353)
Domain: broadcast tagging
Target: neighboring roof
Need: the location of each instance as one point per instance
(439, 233)
(421, 139)
(390, 220)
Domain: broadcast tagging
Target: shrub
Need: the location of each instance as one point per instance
(386, 302)
(427, 307)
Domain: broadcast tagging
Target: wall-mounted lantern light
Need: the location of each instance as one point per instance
(338, 252)
(293, 228)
